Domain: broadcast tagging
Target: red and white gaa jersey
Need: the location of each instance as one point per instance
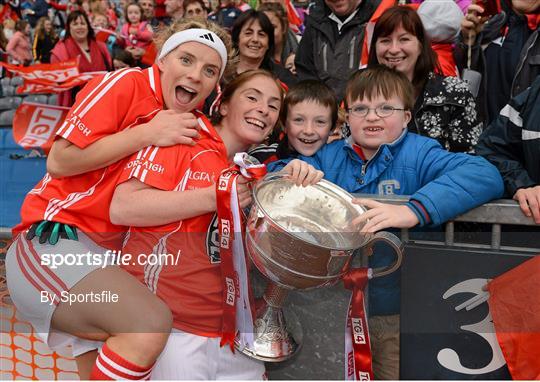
(108, 104)
(191, 285)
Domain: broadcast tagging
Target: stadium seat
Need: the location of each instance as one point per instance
(8, 90)
(36, 98)
(10, 102)
(6, 118)
(19, 173)
(16, 81)
(53, 99)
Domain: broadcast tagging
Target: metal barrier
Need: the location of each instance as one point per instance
(5, 233)
(497, 213)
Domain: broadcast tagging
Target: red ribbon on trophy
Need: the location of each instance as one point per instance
(237, 314)
(358, 365)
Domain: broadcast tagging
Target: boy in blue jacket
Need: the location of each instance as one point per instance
(382, 157)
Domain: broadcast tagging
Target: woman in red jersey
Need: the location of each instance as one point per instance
(192, 285)
(58, 266)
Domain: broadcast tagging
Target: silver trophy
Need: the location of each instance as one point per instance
(300, 238)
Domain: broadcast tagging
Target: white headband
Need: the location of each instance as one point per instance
(203, 36)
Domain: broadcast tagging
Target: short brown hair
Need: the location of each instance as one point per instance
(314, 91)
(238, 81)
(379, 80)
(183, 24)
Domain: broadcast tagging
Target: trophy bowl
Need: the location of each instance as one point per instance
(302, 237)
(299, 238)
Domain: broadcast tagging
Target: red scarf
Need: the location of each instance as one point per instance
(98, 57)
(532, 21)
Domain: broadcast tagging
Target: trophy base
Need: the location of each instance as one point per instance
(274, 340)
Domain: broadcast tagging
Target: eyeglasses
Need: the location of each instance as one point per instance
(382, 111)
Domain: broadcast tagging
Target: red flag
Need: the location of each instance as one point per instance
(35, 124)
(58, 72)
(383, 6)
(103, 34)
(292, 14)
(514, 304)
(50, 78)
(52, 87)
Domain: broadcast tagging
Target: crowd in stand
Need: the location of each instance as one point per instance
(435, 99)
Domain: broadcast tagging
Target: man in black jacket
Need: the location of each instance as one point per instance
(506, 50)
(331, 47)
(512, 143)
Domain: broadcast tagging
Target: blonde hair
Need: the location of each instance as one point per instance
(184, 24)
(40, 29)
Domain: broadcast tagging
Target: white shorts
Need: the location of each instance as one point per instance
(190, 357)
(36, 286)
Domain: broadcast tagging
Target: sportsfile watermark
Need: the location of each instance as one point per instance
(108, 258)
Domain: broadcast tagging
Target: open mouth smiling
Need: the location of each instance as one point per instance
(257, 123)
(184, 95)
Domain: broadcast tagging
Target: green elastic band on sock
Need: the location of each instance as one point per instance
(53, 239)
(71, 234)
(41, 227)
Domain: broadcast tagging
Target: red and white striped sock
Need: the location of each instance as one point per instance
(110, 366)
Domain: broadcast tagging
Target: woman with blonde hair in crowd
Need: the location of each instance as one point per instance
(104, 7)
(44, 40)
(9, 28)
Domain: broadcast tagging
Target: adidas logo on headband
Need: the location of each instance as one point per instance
(207, 36)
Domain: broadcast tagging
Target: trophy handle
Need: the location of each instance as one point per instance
(397, 246)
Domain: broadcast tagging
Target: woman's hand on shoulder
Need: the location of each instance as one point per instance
(302, 173)
(169, 128)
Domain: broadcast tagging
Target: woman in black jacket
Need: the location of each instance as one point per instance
(444, 109)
